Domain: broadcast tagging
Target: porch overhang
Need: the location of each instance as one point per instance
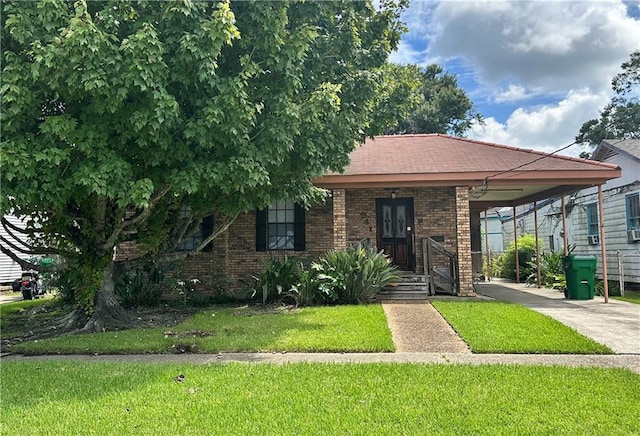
(484, 192)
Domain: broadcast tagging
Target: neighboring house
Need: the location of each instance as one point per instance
(493, 228)
(621, 201)
(399, 194)
(9, 269)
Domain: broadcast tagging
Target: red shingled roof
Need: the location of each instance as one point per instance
(435, 153)
(498, 174)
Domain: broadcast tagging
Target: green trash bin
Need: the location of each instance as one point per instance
(580, 272)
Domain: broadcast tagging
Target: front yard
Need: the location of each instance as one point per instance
(487, 327)
(56, 397)
(79, 397)
(236, 329)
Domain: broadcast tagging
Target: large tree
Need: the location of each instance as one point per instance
(620, 118)
(439, 105)
(134, 120)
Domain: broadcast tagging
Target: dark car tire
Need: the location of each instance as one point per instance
(27, 294)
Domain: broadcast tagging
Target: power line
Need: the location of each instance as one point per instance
(531, 162)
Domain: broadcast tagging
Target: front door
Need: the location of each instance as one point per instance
(394, 218)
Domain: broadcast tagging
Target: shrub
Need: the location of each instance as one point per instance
(277, 277)
(526, 252)
(551, 270)
(355, 275)
(141, 287)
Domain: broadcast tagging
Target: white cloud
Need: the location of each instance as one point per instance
(551, 45)
(405, 54)
(554, 59)
(513, 93)
(547, 127)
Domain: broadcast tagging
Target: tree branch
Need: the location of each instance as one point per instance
(110, 242)
(180, 255)
(215, 234)
(8, 225)
(33, 250)
(23, 263)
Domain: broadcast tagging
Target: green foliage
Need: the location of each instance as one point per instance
(77, 284)
(126, 120)
(526, 252)
(620, 118)
(277, 278)
(438, 104)
(142, 286)
(552, 273)
(353, 276)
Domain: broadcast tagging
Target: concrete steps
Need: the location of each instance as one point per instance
(408, 287)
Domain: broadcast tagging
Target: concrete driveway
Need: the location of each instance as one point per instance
(8, 297)
(615, 324)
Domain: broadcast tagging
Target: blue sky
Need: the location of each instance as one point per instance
(536, 70)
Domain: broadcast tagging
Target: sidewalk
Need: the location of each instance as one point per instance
(615, 324)
(630, 362)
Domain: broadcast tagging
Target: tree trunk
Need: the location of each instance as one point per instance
(107, 313)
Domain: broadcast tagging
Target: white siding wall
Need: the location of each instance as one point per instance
(549, 224)
(10, 270)
(494, 230)
(615, 231)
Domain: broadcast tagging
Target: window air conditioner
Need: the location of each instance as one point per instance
(593, 239)
(633, 235)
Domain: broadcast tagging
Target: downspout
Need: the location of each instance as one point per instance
(515, 244)
(603, 245)
(535, 223)
(486, 244)
(565, 238)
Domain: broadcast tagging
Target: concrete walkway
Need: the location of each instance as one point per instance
(417, 327)
(615, 324)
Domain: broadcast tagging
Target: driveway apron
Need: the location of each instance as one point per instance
(615, 324)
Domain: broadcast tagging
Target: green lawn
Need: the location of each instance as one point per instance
(316, 329)
(630, 296)
(64, 398)
(500, 327)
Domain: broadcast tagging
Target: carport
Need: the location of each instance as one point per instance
(533, 176)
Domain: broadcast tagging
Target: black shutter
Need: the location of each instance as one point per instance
(261, 230)
(207, 230)
(299, 229)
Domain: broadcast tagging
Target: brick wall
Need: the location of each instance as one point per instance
(463, 230)
(241, 257)
(434, 215)
(339, 220)
(442, 212)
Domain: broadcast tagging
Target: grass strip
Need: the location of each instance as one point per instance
(244, 329)
(56, 397)
(502, 327)
(629, 297)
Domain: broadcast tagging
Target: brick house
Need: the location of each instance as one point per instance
(398, 192)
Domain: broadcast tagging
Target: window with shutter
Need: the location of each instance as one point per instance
(281, 226)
